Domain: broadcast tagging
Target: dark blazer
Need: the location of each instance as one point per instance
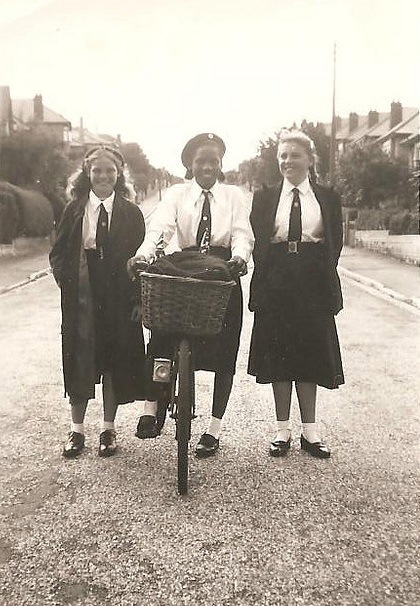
(263, 213)
(68, 264)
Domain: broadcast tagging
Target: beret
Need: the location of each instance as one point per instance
(198, 141)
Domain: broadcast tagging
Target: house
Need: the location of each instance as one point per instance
(82, 139)
(396, 131)
(31, 114)
(402, 141)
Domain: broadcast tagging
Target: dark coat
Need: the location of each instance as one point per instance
(68, 262)
(263, 213)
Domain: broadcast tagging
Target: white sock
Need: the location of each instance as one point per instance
(215, 427)
(108, 425)
(150, 408)
(283, 431)
(310, 432)
(78, 427)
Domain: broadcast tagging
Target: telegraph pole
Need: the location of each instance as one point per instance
(333, 126)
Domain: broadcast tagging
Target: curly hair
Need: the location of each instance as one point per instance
(79, 186)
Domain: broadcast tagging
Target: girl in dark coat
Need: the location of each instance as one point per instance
(295, 292)
(102, 337)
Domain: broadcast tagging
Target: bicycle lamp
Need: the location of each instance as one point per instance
(162, 370)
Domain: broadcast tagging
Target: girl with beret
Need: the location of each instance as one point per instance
(204, 200)
(295, 291)
(102, 337)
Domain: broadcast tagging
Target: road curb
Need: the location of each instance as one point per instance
(358, 278)
(381, 288)
(32, 278)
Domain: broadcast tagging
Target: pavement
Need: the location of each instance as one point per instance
(379, 274)
(383, 275)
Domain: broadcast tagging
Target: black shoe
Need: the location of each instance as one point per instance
(316, 449)
(279, 448)
(107, 443)
(74, 445)
(147, 427)
(207, 446)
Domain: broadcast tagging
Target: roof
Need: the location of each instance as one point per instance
(411, 140)
(89, 138)
(23, 111)
(409, 125)
(382, 125)
(380, 130)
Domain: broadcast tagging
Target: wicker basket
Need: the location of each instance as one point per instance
(184, 305)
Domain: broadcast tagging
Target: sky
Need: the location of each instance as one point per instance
(160, 71)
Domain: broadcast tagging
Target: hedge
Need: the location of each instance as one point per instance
(404, 222)
(9, 213)
(398, 222)
(373, 219)
(24, 212)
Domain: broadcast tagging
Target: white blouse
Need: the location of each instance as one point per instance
(180, 211)
(91, 215)
(312, 227)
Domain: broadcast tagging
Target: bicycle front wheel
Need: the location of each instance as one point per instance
(184, 411)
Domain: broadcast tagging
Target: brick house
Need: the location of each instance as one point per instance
(31, 114)
(396, 132)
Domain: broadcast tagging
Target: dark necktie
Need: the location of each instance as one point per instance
(204, 227)
(295, 221)
(102, 232)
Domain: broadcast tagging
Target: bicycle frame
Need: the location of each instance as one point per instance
(178, 374)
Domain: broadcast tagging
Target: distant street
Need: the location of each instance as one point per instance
(254, 531)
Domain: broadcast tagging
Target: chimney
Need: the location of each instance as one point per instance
(38, 109)
(337, 123)
(6, 116)
(353, 121)
(373, 118)
(396, 114)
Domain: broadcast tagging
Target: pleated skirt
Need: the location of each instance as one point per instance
(294, 336)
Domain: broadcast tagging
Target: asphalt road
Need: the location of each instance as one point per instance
(253, 530)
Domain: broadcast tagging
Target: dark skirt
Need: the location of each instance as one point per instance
(217, 353)
(294, 337)
(98, 278)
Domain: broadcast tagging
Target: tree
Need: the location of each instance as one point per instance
(322, 146)
(367, 176)
(36, 160)
(141, 171)
(232, 177)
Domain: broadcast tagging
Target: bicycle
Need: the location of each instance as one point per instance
(185, 308)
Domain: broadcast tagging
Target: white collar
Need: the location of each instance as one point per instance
(197, 190)
(96, 202)
(303, 187)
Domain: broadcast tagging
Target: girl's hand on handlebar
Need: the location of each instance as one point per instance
(135, 266)
(237, 267)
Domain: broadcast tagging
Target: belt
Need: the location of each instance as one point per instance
(293, 247)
